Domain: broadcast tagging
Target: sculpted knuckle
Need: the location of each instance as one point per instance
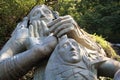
(60, 19)
(69, 16)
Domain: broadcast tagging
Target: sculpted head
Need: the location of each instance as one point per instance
(41, 12)
(69, 50)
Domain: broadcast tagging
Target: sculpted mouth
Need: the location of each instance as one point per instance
(43, 18)
(73, 53)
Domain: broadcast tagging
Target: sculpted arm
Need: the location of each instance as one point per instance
(108, 68)
(14, 63)
(16, 43)
(15, 67)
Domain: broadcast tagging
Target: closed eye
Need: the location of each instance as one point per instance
(36, 13)
(47, 12)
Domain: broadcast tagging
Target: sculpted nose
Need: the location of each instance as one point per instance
(72, 48)
(42, 15)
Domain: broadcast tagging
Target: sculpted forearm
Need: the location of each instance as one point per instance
(15, 67)
(18, 65)
(11, 48)
(108, 68)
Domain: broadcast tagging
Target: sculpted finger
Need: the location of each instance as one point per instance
(53, 22)
(16, 29)
(25, 22)
(65, 31)
(45, 28)
(20, 25)
(35, 27)
(62, 27)
(72, 21)
(57, 20)
(39, 28)
(69, 20)
(49, 43)
(31, 32)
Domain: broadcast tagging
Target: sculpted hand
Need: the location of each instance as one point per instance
(20, 34)
(16, 43)
(45, 47)
(37, 32)
(67, 25)
(39, 40)
(63, 25)
(21, 31)
(19, 64)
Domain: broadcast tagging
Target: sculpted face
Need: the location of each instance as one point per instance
(41, 12)
(69, 50)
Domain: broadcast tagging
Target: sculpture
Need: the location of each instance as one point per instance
(71, 61)
(14, 55)
(14, 63)
(35, 38)
(117, 75)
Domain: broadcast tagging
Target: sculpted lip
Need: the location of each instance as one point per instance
(44, 18)
(73, 53)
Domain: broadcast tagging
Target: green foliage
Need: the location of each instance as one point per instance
(95, 16)
(105, 45)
